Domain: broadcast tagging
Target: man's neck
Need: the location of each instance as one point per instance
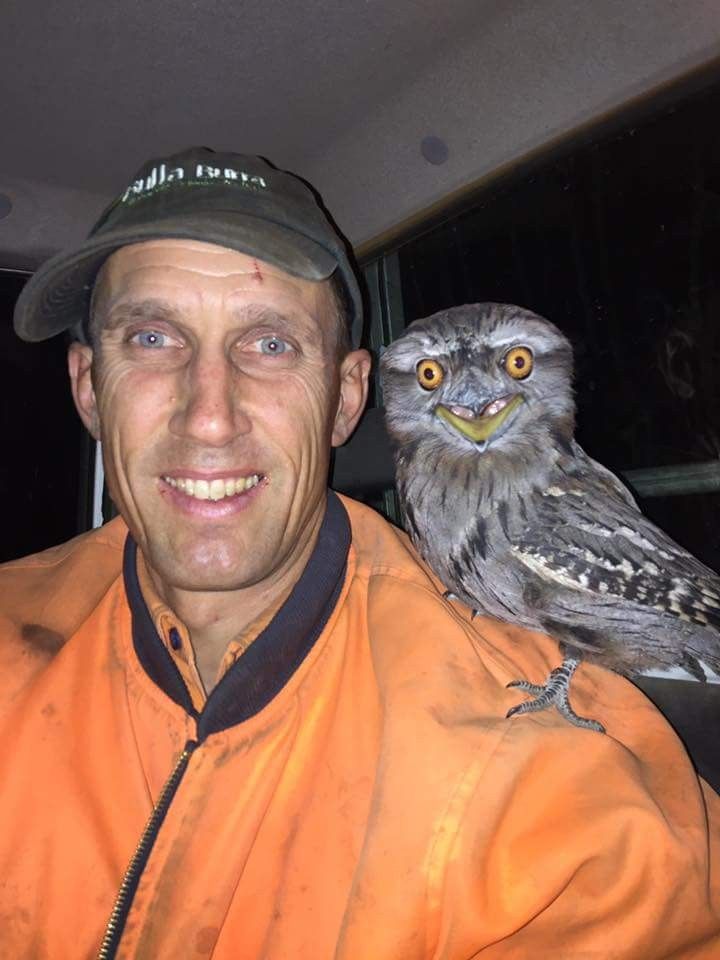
(215, 619)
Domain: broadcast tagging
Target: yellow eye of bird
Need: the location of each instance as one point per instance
(429, 374)
(518, 362)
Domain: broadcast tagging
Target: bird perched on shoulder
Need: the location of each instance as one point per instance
(517, 520)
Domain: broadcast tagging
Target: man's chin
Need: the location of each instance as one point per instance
(204, 578)
(202, 567)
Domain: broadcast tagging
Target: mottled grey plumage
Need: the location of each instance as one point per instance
(524, 525)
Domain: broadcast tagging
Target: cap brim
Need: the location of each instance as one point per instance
(57, 296)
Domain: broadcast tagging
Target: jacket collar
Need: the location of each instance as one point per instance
(259, 674)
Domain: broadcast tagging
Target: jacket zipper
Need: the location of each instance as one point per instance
(123, 901)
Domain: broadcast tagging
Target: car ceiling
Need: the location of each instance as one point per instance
(342, 92)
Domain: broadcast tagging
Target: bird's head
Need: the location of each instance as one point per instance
(484, 375)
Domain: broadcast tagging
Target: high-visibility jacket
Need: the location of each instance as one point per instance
(350, 790)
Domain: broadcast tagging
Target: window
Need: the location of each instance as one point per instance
(616, 242)
(45, 473)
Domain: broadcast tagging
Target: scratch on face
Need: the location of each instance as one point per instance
(257, 272)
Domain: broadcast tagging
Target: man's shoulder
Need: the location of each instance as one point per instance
(414, 627)
(409, 613)
(45, 596)
(94, 550)
(382, 549)
(397, 575)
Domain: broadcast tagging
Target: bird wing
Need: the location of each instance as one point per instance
(589, 536)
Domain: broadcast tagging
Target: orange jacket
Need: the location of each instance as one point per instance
(355, 793)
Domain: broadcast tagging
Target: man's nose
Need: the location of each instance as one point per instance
(210, 406)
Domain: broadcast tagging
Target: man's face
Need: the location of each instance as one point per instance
(217, 391)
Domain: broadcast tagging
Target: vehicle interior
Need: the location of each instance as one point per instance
(563, 155)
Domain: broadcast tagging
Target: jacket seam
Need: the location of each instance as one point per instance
(463, 792)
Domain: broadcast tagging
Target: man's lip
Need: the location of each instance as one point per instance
(222, 503)
(212, 475)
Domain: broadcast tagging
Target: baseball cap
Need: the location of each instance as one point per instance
(236, 201)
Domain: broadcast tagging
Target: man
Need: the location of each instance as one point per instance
(241, 720)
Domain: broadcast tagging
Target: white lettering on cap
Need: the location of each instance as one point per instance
(203, 170)
(160, 175)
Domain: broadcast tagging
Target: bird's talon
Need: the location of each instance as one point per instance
(535, 689)
(449, 595)
(553, 693)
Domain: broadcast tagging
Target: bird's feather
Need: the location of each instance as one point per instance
(526, 526)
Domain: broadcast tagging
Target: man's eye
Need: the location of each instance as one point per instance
(150, 338)
(273, 346)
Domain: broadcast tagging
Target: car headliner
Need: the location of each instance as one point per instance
(341, 92)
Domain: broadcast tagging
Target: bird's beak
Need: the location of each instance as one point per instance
(479, 427)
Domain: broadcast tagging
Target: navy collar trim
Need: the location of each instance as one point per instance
(260, 673)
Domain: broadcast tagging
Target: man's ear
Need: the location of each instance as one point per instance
(354, 373)
(80, 369)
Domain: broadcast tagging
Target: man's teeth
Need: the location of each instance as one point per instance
(213, 489)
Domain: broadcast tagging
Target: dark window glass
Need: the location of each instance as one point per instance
(45, 468)
(617, 243)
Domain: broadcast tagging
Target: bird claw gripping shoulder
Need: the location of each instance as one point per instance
(554, 692)
(449, 595)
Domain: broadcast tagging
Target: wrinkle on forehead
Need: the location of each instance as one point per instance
(130, 273)
(214, 261)
(225, 260)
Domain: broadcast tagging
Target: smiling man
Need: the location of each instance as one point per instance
(242, 720)
(217, 385)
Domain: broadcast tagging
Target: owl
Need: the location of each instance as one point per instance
(517, 520)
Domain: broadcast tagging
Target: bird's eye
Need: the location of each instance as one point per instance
(518, 362)
(429, 374)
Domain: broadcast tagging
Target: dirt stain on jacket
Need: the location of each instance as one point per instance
(43, 641)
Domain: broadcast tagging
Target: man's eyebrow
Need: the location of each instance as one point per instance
(150, 309)
(260, 313)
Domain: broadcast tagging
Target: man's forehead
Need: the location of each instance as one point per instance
(207, 258)
(192, 263)
(167, 270)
